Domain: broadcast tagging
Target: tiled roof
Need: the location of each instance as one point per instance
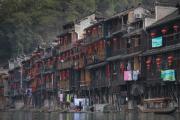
(174, 16)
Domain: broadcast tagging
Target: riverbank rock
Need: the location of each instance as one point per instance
(19, 105)
(104, 107)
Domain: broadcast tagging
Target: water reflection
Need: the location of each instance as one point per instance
(85, 116)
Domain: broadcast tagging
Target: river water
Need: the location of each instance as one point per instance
(85, 116)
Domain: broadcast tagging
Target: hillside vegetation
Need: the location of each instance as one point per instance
(25, 24)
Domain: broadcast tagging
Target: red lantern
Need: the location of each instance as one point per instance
(153, 34)
(148, 64)
(175, 27)
(164, 31)
(122, 67)
(170, 60)
(158, 62)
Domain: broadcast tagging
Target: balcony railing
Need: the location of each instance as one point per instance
(153, 75)
(49, 68)
(64, 65)
(134, 49)
(115, 52)
(91, 39)
(99, 83)
(27, 78)
(95, 58)
(27, 66)
(102, 83)
(47, 55)
(50, 86)
(116, 29)
(85, 84)
(64, 85)
(79, 63)
(65, 47)
(171, 39)
(41, 87)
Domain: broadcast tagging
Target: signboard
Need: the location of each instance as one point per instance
(168, 75)
(157, 42)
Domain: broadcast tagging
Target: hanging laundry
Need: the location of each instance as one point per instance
(127, 75)
(61, 97)
(128, 66)
(135, 74)
(68, 98)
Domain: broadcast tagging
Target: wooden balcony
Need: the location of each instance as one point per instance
(14, 92)
(118, 81)
(85, 84)
(64, 84)
(115, 52)
(101, 83)
(65, 65)
(47, 55)
(153, 75)
(27, 66)
(41, 87)
(91, 39)
(134, 49)
(94, 59)
(27, 78)
(116, 29)
(79, 63)
(65, 48)
(48, 69)
(171, 39)
(50, 86)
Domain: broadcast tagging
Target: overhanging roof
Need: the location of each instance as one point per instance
(121, 57)
(162, 50)
(96, 65)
